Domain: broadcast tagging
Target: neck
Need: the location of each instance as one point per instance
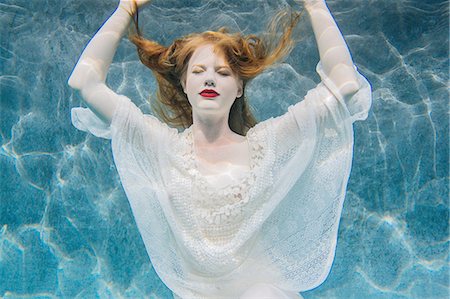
(212, 131)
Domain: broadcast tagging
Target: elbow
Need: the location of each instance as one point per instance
(84, 74)
(345, 78)
(72, 82)
(349, 88)
(78, 78)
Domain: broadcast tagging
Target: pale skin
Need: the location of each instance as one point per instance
(210, 129)
(219, 151)
(221, 154)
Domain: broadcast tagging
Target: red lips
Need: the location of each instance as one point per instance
(209, 93)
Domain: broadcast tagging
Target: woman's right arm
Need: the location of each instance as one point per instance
(90, 72)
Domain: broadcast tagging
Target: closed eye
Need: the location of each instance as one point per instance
(224, 71)
(197, 70)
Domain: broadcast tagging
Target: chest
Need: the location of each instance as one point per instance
(213, 187)
(223, 166)
(216, 171)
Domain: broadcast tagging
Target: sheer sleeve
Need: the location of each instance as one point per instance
(322, 113)
(85, 120)
(358, 105)
(325, 101)
(308, 160)
(138, 140)
(140, 143)
(127, 116)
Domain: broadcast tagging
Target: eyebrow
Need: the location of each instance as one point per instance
(217, 67)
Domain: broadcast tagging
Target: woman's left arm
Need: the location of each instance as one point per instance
(334, 54)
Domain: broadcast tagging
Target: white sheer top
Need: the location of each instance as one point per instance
(278, 225)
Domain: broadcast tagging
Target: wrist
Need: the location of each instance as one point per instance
(123, 13)
(126, 6)
(313, 5)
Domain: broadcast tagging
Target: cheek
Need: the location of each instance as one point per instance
(233, 88)
(191, 83)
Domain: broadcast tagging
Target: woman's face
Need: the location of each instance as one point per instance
(210, 84)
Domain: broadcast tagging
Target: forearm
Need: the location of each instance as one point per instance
(93, 65)
(90, 72)
(334, 54)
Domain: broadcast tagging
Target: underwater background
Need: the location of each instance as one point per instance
(66, 228)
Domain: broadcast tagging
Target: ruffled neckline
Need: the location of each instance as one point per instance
(255, 153)
(216, 205)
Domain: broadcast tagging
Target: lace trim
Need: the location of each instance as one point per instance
(224, 205)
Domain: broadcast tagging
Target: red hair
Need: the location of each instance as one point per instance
(247, 56)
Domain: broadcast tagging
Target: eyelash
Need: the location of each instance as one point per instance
(221, 73)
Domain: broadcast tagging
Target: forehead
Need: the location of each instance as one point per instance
(207, 54)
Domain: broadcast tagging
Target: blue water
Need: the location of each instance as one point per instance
(66, 229)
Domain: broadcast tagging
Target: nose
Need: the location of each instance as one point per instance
(210, 83)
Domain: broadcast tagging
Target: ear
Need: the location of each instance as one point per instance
(240, 88)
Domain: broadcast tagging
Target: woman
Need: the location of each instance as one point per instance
(228, 208)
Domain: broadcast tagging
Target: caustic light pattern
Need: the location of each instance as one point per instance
(66, 228)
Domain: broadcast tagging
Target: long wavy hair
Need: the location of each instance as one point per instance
(247, 55)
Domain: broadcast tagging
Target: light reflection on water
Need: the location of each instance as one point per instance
(66, 227)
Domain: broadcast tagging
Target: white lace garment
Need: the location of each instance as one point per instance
(277, 226)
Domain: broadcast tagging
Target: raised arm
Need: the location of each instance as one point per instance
(90, 72)
(334, 54)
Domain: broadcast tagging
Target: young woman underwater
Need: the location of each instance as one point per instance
(228, 207)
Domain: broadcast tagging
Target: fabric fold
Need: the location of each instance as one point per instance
(284, 233)
(85, 120)
(359, 104)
